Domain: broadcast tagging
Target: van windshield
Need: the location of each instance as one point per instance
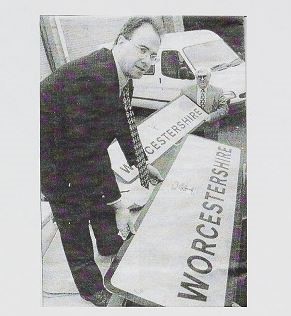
(215, 55)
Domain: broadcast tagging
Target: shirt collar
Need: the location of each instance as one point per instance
(205, 89)
(122, 79)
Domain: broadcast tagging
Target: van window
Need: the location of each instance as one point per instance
(151, 70)
(211, 54)
(171, 62)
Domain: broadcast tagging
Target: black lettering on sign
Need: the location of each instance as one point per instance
(209, 219)
(222, 172)
(221, 165)
(126, 168)
(223, 155)
(215, 179)
(221, 159)
(201, 245)
(155, 145)
(202, 271)
(198, 111)
(175, 128)
(190, 117)
(225, 149)
(212, 207)
(186, 120)
(147, 148)
(181, 124)
(160, 140)
(203, 234)
(164, 134)
(189, 286)
(193, 115)
(171, 133)
(216, 189)
(207, 196)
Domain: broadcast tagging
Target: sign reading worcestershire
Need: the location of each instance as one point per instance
(180, 253)
(159, 133)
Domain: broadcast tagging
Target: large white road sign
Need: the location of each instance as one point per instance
(180, 254)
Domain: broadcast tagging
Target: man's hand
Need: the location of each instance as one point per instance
(123, 219)
(208, 119)
(155, 176)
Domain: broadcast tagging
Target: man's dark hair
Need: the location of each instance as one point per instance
(134, 23)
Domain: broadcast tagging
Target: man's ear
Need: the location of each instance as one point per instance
(121, 40)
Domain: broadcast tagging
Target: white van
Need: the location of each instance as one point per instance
(181, 53)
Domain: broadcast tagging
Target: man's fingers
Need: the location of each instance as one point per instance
(124, 223)
(154, 181)
(160, 178)
(131, 226)
(124, 232)
(155, 174)
(123, 237)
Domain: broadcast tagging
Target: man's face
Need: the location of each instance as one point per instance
(138, 53)
(203, 80)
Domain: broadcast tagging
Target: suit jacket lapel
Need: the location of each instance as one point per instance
(103, 64)
(195, 93)
(210, 99)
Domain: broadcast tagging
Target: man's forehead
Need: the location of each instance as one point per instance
(203, 72)
(146, 35)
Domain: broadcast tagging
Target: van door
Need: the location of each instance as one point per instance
(175, 72)
(147, 91)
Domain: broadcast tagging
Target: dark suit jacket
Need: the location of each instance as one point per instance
(81, 114)
(216, 106)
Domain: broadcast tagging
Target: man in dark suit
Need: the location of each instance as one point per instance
(211, 100)
(83, 109)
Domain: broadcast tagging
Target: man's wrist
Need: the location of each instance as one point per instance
(116, 204)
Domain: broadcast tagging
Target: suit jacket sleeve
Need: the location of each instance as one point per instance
(109, 187)
(190, 92)
(221, 104)
(51, 136)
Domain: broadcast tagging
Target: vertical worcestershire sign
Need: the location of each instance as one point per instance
(159, 133)
(180, 254)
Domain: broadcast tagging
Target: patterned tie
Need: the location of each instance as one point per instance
(202, 98)
(139, 153)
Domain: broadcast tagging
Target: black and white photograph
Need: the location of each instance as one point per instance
(145, 157)
(143, 161)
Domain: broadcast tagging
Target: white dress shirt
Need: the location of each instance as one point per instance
(122, 79)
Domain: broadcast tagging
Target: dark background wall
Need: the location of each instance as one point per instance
(230, 28)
